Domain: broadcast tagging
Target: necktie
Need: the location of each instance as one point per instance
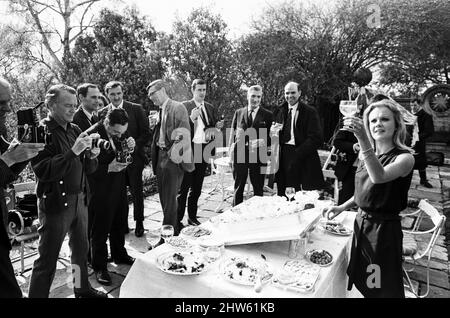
(162, 141)
(94, 119)
(287, 127)
(250, 118)
(205, 116)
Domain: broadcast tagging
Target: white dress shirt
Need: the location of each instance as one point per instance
(88, 114)
(255, 111)
(162, 139)
(120, 105)
(199, 134)
(293, 115)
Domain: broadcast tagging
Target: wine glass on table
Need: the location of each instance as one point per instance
(153, 237)
(213, 253)
(167, 232)
(290, 193)
(348, 108)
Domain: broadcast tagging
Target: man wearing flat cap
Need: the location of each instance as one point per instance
(171, 149)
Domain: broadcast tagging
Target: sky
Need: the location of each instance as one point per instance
(237, 14)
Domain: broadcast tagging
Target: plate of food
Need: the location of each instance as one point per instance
(297, 275)
(246, 270)
(336, 228)
(320, 257)
(178, 242)
(194, 232)
(181, 263)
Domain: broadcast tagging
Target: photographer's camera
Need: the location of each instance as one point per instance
(125, 154)
(101, 143)
(29, 130)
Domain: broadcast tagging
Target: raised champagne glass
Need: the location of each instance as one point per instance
(348, 108)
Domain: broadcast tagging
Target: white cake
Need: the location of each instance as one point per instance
(262, 219)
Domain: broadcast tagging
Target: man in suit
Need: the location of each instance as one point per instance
(12, 162)
(205, 123)
(109, 196)
(88, 95)
(300, 138)
(138, 129)
(171, 150)
(426, 130)
(249, 144)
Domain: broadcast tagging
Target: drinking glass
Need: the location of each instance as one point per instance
(348, 108)
(153, 237)
(213, 253)
(290, 193)
(153, 118)
(167, 232)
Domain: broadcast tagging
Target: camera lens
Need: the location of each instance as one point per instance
(104, 144)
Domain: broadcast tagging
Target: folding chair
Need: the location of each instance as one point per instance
(329, 173)
(411, 249)
(220, 169)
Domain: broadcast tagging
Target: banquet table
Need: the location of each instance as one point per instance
(146, 280)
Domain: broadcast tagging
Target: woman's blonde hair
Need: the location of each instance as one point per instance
(400, 128)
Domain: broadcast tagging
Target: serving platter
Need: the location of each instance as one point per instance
(245, 270)
(182, 263)
(194, 232)
(297, 275)
(336, 228)
(322, 258)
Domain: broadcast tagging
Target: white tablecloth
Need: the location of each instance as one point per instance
(146, 280)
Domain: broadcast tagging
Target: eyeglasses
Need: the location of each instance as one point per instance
(150, 94)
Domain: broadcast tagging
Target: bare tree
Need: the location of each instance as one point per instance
(55, 24)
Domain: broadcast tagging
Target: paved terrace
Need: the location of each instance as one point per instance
(439, 196)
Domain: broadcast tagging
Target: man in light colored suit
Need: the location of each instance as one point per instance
(171, 149)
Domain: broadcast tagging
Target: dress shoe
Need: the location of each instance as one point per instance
(127, 260)
(426, 184)
(139, 231)
(91, 293)
(194, 222)
(103, 277)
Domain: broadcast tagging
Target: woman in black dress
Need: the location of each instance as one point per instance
(426, 130)
(382, 182)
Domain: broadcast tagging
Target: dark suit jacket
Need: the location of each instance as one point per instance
(176, 119)
(138, 128)
(426, 130)
(213, 118)
(344, 142)
(261, 124)
(103, 183)
(308, 138)
(82, 120)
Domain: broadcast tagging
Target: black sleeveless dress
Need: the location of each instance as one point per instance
(375, 266)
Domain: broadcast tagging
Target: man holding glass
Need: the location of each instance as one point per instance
(171, 149)
(205, 124)
(249, 142)
(300, 138)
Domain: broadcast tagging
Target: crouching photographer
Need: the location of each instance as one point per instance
(62, 192)
(108, 210)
